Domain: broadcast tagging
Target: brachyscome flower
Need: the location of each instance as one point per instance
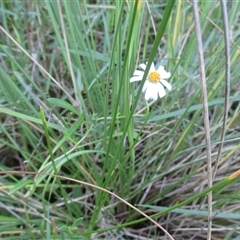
(153, 86)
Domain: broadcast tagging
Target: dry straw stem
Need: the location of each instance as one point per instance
(205, 111)
(227, 80)
(96, 187)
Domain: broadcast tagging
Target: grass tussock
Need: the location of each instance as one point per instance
(83, 155)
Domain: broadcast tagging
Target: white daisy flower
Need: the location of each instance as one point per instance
(153, 86)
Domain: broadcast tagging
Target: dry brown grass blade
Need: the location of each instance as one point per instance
(205, 111)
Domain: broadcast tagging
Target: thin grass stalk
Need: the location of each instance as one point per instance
(133, 44)
(178, 19)
(227, 81)
(69, 61)
(205, 112)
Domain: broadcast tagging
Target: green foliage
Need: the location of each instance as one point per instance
(71, 120)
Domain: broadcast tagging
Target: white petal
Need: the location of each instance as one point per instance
(163, 73)
(135, 78)
(166, 84)
(152, 68)
(160, 90)
(160, 68)
(145, 86)
(147, 96)
(143, 66)
(151, 92)
(150, 95)
(138, 73)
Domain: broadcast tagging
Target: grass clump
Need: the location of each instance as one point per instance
(83, 155)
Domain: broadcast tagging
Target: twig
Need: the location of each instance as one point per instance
(205, 108)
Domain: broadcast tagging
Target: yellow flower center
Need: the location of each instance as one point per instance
(154, 77)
